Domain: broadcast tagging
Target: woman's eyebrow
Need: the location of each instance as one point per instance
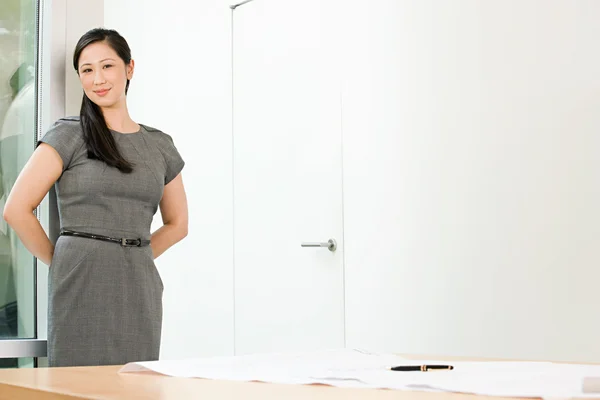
(106, 59)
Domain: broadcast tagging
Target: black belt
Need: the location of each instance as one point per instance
(122, 241)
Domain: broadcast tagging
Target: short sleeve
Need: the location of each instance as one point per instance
(65, 137)
(173, 159)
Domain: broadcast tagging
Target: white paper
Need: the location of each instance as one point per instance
(362, 369)
(334, 367)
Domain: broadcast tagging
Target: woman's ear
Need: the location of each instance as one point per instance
(130, 69)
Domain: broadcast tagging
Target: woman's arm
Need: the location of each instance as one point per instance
(174, 211)
(35, 180)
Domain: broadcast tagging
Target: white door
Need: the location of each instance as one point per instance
(287, 178)
(472, 175)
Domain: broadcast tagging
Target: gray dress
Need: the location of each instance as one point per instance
(105, 300)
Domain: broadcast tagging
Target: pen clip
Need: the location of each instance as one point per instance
(437, 367)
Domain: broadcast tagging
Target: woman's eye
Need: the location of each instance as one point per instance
(107, 66)
(86, 70)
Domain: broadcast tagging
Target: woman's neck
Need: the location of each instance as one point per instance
(118, 119)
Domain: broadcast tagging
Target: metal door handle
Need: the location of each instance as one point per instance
(331, 244)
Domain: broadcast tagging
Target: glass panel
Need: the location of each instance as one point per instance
(18, 48)
(25, 362)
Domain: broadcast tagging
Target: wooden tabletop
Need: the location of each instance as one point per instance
(106, 383)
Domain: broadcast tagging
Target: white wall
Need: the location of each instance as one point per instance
(182, 85)
(471, 177)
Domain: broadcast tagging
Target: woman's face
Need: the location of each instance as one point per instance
(103, 75)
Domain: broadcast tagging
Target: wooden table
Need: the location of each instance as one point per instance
(106, 383)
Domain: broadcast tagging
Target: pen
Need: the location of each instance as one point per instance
(423, 368)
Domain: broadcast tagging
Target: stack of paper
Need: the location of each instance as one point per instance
(357, 368)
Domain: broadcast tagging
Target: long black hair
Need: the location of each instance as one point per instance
(100, 143)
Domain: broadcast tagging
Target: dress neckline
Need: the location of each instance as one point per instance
(128, 133)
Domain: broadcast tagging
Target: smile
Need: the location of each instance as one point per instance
(102, 92)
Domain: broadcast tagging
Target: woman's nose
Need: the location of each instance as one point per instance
(99, 78)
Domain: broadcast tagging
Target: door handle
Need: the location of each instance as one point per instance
(331, 244)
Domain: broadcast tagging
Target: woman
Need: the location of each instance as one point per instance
(111, 175)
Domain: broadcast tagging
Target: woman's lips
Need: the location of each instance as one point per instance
(102, 93)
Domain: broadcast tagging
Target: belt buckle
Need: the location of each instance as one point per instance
(125, 244)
